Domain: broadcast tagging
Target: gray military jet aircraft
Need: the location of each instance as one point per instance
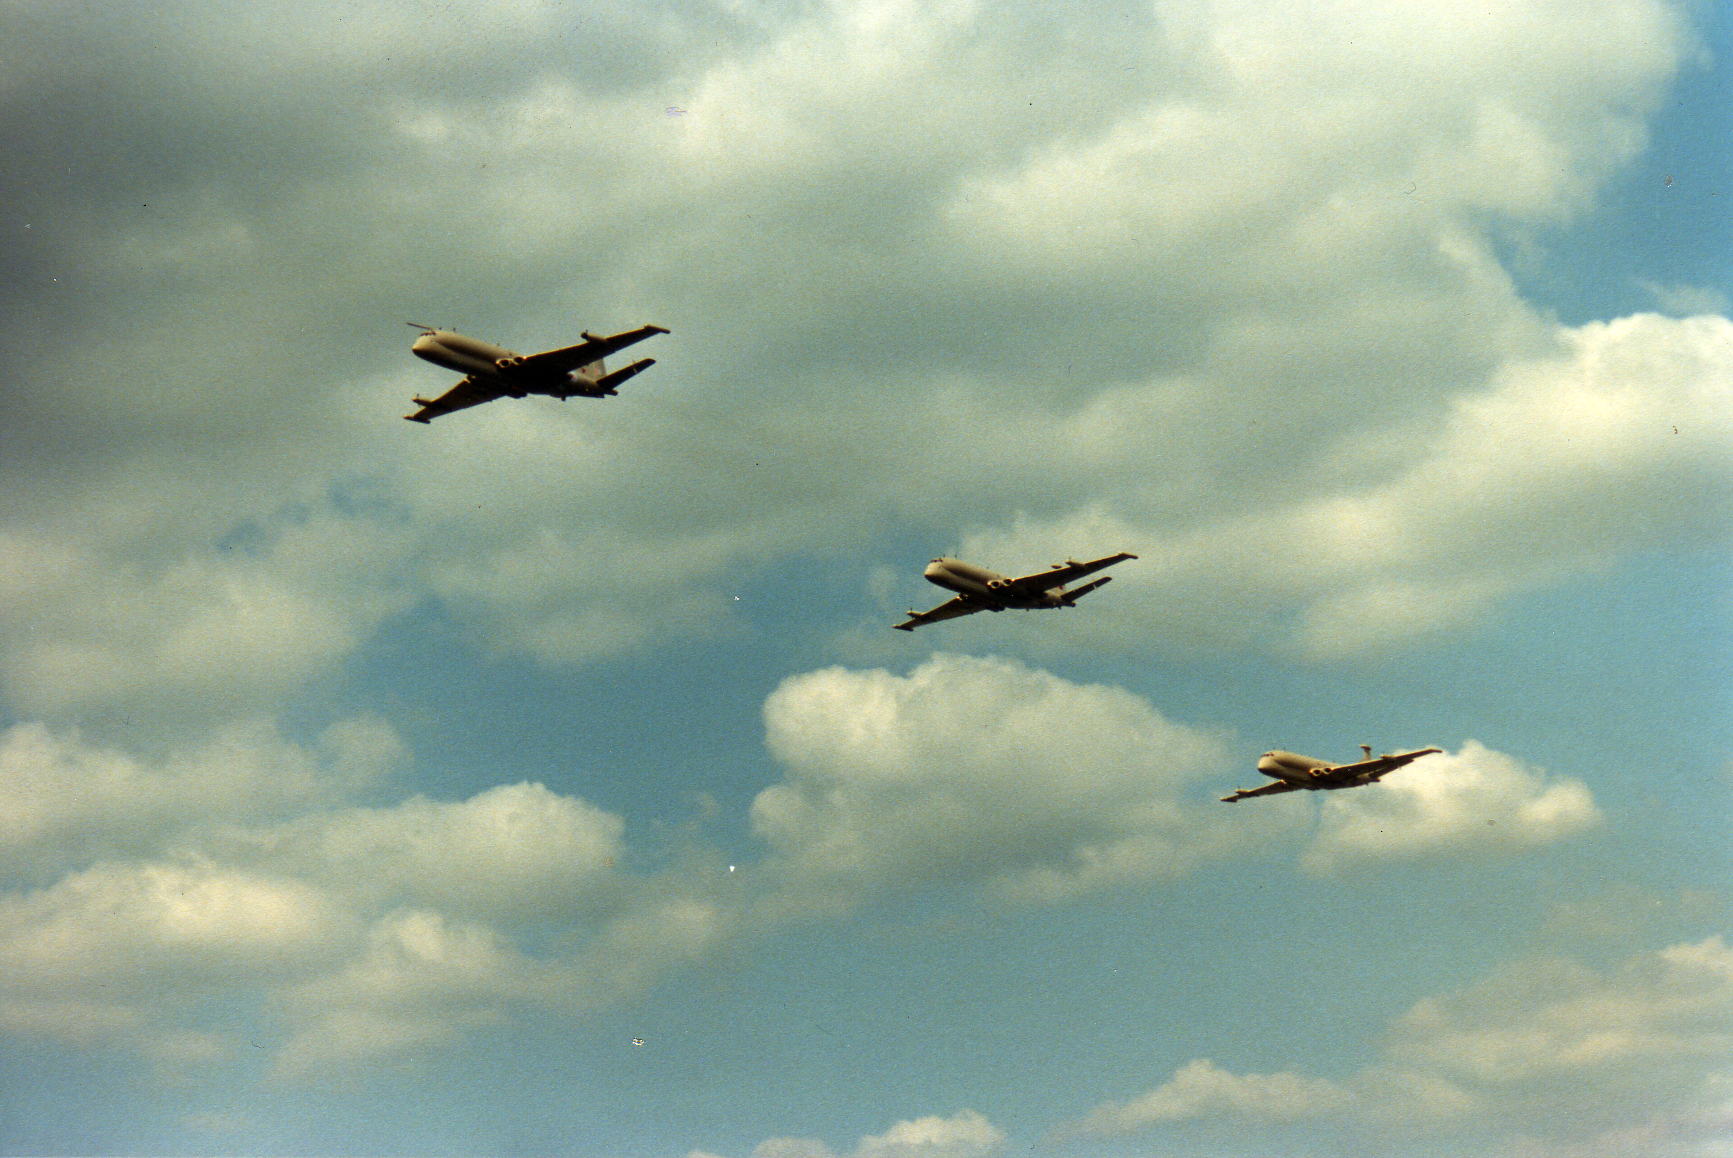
(1294, 772)
(979, 589)
(495, 372)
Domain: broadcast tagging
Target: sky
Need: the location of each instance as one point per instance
(547, 780)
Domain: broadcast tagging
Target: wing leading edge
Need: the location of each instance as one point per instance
(469, 392)
(950, 609)
(1270, 789)
(1060, 575)
(589, 351)
(1374, 769)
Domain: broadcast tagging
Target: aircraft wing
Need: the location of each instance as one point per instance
(1270, 789)
(591, 349)
(1374, 769)
(950, 609)
(465, 394)
(1063, 574)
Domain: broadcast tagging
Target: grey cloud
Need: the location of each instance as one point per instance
(883, 288)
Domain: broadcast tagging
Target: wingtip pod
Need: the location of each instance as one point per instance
(421, 418)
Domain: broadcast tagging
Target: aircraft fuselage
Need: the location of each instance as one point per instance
(1292, 767)
(987, 586)
(484, 360)
(1305, 772)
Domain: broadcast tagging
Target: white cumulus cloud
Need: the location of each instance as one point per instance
(1474, 798)
(1201, 1089)
(965, 1134)
(977, 770)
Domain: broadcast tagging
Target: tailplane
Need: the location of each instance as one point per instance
(1071, 597)
(605, 382)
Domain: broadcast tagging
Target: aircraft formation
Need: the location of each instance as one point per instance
(492, 372)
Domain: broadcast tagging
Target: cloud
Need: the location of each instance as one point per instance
(1533, 1028)
(1472, 799)
(390, 930)
(977, 770)
(126, 953)
(1201, 1089)
(1546, 1048)
(1236, 274)
(983, 771)
(1218, 215)
(66, 803)
(1617, 441)
(511, 854)
(220, 628)
(1687, 300)
(242, 870)
(421, 982)
(1259, 122)
(965, 1134)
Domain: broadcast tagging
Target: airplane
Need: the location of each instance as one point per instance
(1293, 772)
(979, 589)
(494, 372)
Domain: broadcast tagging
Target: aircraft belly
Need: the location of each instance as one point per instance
(957, 583)
(555, 383)
(453, 360)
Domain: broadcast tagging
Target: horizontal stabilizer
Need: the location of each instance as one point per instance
(606, 383)
(1073, 596)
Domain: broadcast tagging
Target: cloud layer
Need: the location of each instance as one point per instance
(1226, 285)
(1242, 288)
(1547, 1047)
(366, 930)
(1556, 467)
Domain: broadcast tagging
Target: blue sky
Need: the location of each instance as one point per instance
(373, 788)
